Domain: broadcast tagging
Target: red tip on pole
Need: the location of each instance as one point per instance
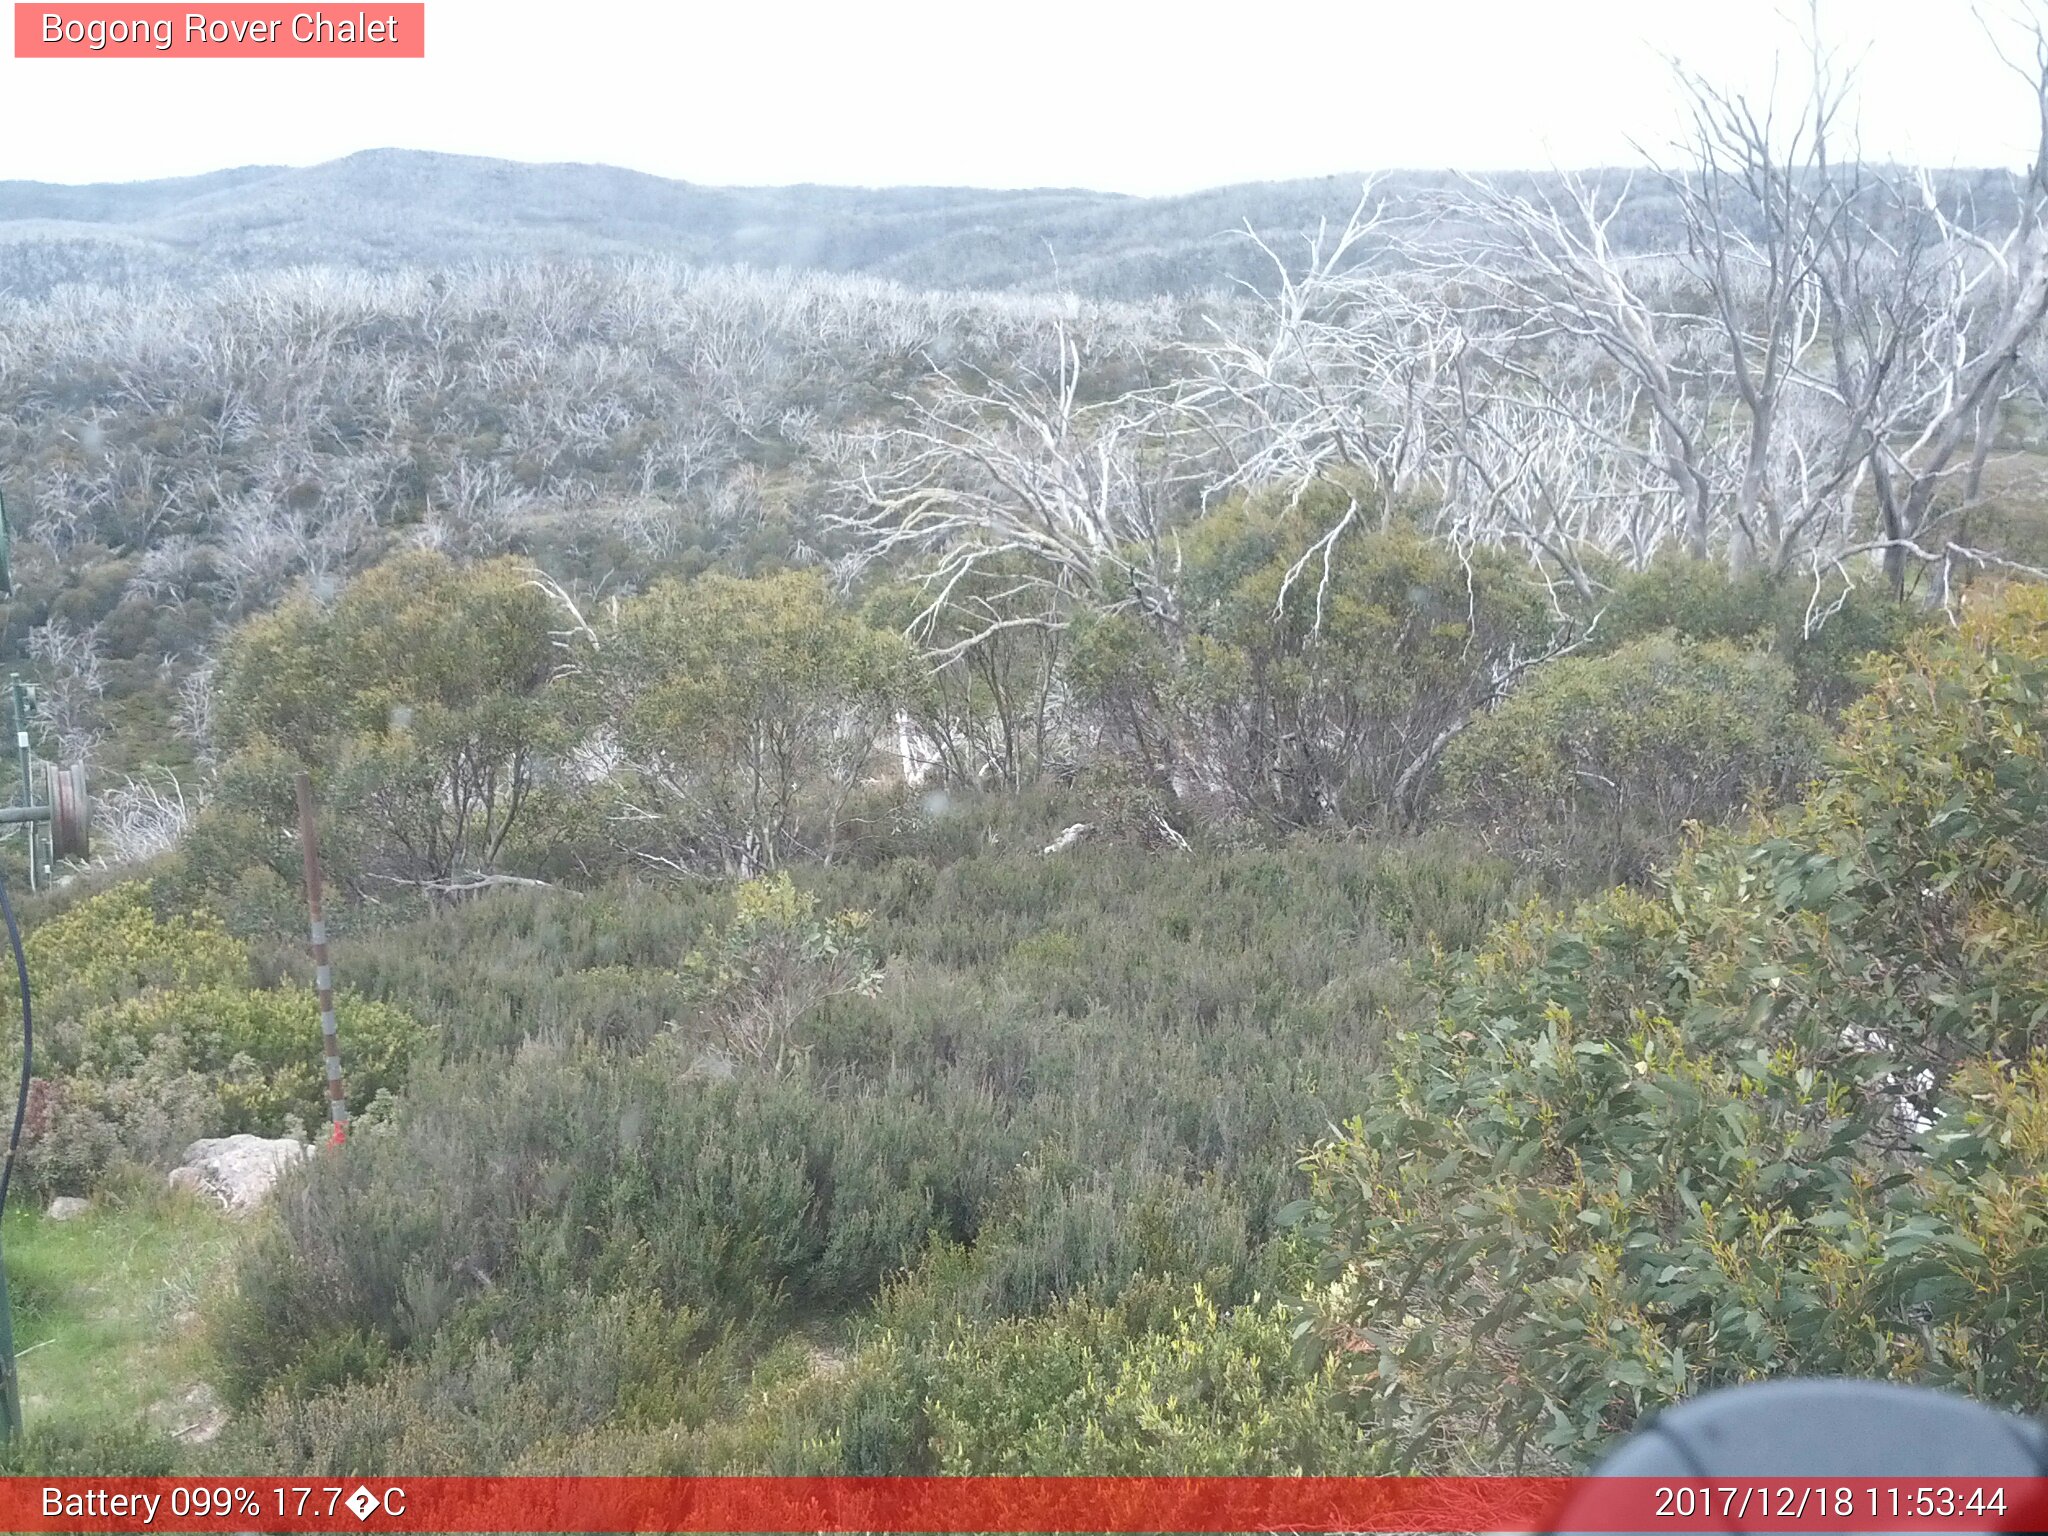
(339, 1136)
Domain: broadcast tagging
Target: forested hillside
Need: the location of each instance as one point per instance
(935, 867)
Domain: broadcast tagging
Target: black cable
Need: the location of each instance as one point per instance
(28, 1041)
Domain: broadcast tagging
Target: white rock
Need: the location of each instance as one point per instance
(65, 1207)
(239, 1171)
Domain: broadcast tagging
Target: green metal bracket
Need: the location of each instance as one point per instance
(10, 1378)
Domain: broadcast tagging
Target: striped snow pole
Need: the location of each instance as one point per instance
(323, 974)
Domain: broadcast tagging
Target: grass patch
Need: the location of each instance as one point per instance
(105, 1311)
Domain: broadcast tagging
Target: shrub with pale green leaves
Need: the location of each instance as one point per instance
(262, 1048)
(748, 711)
(423, 700)
(112, 947)
(151, 1035)
(777, 962)
(1208, 1391)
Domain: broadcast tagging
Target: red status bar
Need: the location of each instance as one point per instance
(1022, 1504)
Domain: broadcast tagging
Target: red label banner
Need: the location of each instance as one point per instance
(1023, 1504)
(223, 31)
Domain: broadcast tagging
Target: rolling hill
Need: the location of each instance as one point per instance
(390, 208)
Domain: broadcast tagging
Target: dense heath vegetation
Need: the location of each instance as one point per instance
(1385, 872)
(950, 1154)
(1212, 1141)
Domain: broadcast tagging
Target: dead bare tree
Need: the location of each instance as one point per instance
(1928, 339)
(1829, 332)
(1341, 364)
(71, 682)
(1080, 494)
(141, 819)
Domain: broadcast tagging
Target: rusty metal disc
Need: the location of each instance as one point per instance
(70, 812)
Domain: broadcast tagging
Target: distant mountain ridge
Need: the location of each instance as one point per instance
(388, 208)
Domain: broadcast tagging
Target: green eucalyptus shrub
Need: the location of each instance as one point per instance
(424, 699)
(1785, 1116)
(1630, 745)
(1305, 680)
(986, 711)
(749, 711)
(1825, 635)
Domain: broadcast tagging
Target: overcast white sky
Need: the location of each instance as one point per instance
(1125, 95)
